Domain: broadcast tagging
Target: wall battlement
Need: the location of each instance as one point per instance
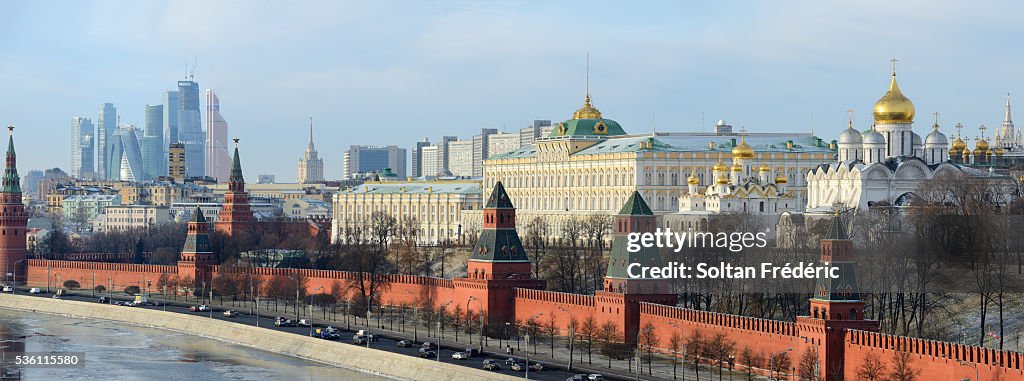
(720, 319)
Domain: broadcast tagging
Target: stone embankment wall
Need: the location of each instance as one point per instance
(328, 352)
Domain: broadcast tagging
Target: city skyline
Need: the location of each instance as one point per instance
(790, 66)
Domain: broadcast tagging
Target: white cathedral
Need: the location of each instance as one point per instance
(885, 163)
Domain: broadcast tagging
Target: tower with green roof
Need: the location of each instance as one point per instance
(13, 220)
(498, 263)
(197, 255)
(235, 214)
(836, 305)
(622, 293)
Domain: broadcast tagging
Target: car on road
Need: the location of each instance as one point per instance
(578, 377)
(511, 360)
(459, 356)
(518, 366)
(283, 322)
(490, 364)
(8, 289)
(327, 333)
(204, 308)
(427, 353)
(35, 290)
(230, 313)
(595, 377)
(104, 299)
(404, 343)
(360, 340)
(191, 308)
(472, 352)
(536, 367)
(304, 323)
(429, 345)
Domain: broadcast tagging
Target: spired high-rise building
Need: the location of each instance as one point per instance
(190, 130)
(311, 166)
(153, 143)
(217, 161)
(83, 147)
(106, 125)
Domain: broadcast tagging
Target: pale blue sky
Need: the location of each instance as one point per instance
(382, 72)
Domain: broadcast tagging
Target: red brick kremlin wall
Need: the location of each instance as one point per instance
(936, 360)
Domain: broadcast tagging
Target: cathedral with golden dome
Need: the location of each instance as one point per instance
(885, 164)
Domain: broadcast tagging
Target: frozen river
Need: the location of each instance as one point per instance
(114, 351)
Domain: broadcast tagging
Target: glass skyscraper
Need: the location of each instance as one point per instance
(190, 129)
(153, 143)
(218, 163)
(105, 127)
(82, 148)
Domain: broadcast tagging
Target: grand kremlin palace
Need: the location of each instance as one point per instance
(591, 165)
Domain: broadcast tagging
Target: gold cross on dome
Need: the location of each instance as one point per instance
(894, 66)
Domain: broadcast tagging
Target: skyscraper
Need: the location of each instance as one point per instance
(190, 130)
(129, 159)
(105, 127)
(417, 157)
(170, 117)
(363, 159)
(218, 164)
(82, 148)
(112, 154)
(153, 143)
(480, 146)
(311, 166)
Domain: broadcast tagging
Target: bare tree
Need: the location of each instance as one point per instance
(872, 369)
(751, 360)
(902, 369)
(648, 338)
(606, 334)
(808, 366)
(537, 232)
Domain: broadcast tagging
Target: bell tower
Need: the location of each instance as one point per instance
(13, 220)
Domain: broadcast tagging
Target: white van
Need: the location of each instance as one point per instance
(35, 290)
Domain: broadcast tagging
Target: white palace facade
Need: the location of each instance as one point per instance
(590, 165)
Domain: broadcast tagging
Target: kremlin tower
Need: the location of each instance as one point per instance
(13, 220)
(235, 214)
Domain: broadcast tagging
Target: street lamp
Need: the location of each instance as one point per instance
(527, 337)
(572, 334)
(14, 274)
(682, 349)
(732, 363)
(481, 312)
(311, 311)
(638, 358)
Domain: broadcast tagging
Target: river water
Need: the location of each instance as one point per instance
(115, 351)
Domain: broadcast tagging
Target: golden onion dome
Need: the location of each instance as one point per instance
(588, 111)
(722, 180)
(1000, 151)
(781, 179)
(720, 167)
(765, 168)
(966, 152)
(894, 107)
(981, 147)
(693, 180)
(743, 150)
(737, 168)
